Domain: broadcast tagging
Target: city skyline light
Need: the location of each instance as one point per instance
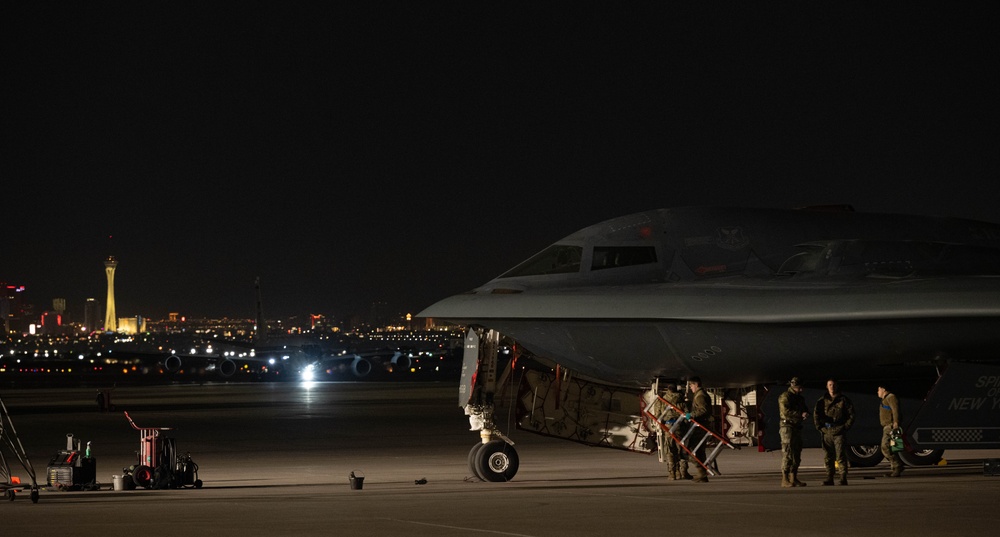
(399, 153)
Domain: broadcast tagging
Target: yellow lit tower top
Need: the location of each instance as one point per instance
(110, 319)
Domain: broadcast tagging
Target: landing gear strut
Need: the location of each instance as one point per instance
(494, 457)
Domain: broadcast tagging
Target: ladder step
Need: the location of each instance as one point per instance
(715, 453)
(677, 423)
(700, 443)
(688, 434)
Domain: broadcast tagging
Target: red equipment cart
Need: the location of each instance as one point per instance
(158, 465)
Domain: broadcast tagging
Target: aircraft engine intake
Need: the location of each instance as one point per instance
(361, 367)
(401, 361)
(172, 363)
(226, 367)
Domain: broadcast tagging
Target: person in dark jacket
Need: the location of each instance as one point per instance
(833, 417)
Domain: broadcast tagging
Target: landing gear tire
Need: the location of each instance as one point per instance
(473, 457)
(497, 461)
(34, 495)
(925, 457)
(864, 456)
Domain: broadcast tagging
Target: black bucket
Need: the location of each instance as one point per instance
(357, 480)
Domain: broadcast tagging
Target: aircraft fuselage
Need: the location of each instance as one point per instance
(745, 296)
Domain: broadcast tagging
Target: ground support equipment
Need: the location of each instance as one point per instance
(10, 484)
(159, 466)
(689, 434)
(73, 468)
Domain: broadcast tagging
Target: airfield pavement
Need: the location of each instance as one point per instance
(275, 460)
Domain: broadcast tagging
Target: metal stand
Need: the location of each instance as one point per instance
(9, 484)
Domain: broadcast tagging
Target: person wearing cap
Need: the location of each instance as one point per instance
(888, 417)
(793, 411)
(833, 417)
(701, 411)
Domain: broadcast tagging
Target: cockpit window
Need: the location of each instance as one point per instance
(606, 257)
(556, 259)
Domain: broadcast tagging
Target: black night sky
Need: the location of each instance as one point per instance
(401, 152)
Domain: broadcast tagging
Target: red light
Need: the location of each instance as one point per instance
(714, 269)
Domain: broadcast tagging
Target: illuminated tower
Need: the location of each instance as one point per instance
(110, 321)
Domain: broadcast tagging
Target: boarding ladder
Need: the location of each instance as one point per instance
(690, 440)
(9, 483)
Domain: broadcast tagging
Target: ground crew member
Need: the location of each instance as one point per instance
(676, 456)
(701, 411)
(793, 411)
(888, 416)
(833, 417)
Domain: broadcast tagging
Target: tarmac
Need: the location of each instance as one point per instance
(275, 459)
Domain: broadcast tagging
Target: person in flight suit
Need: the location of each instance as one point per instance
(833, 417)
(793, 411)
(888, 417)
(701, 411)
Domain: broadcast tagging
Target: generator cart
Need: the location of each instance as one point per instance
(73, 468)
(158, 465)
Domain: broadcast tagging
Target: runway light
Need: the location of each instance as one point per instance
(308, 373)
